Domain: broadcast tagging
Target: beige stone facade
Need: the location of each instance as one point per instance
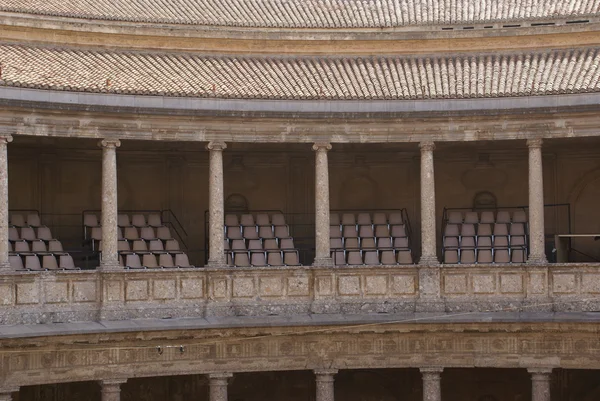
(303, 115)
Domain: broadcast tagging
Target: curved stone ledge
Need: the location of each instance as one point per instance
(29, 298)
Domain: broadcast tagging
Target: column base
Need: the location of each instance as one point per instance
(537, 260)
(429, 261)
(5, 268)
(217, 264)
(323, 262)
(107, 267)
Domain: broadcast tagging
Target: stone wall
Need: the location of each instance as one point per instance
(88, 295)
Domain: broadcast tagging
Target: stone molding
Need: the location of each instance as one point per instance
(322, 349)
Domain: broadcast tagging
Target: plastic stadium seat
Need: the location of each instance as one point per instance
(451, 256)
(487, 217)
(371, 258)
(398, 230)
(28, 234)
(467, 256)
(33, 220)
(172, 245)
(234, 232)
(149, 261)
(274, 258)
(139, 246)
(165, 260)
(181, 260)
(290, 258)
(363, 219)
(349, 231)
(39, 247)
(258, 259)
(484, 256)
(250, 232)
(366, 231)
(278, 219)
(367, 243)
(66, 262)
(384, 243)
(405, 257)
(247, 220)
(22, 247)
(351, 243)
(286, 243)
(395, 218)
(163, 233)
(388, 257)
(471, 217)
(455, 217)
(379, 218)
(16, 263)
(265, 232)
(518, 256)
(354, 258)
(138, 220)
(13, 234)
(382, 231)
(503, 216)
(262, 219)
(282, 231)
(49, 262)
(519, 216)
(44, 234)
(123, 220)
(335, 232)
(131, 233)
(501, 256)
(133, 261)
(154, 220)
(90, 220)
(338, 258)
(241, 259)
(147, 233)
(335, 243)
(17, 220)
(270, 244)
(467, 230)
(32, 262)
(334, 219)
(231, 220)
(348, 219)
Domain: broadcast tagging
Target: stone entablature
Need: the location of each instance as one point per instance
(46, 297)
(118, 355)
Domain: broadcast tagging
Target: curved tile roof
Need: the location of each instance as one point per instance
(439, 77)
(310, 13)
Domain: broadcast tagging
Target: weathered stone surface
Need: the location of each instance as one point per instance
(216, 208)
(4, 263)
(110, 236)
(322, 255)
(537, 252)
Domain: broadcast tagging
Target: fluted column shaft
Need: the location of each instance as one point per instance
(322, 249)
(216, 205)
(325, 384)
(432, 384)
(537, 252)
(540, 384)
(110, 230)
(111, 389)
(428, 235)
(4, 140)
(218, 386)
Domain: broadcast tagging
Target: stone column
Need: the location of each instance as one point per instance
(4, 263)
(325, 388)
(6, 393)
(218, 386)
(216, 205)
(540, 384)
(428, 234)
(322, 250)
(432, 384)
(110, 229)
(537, 252)
(111, 389)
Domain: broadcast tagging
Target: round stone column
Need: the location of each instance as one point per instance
(218, 386)
(216, 205)
(4, 263)
(322, 249)
(325, 387)
(110, 230)
(111, 389)
(540, 384)
(428, 234)
(537, 252)
(6, 393)
(432, 383)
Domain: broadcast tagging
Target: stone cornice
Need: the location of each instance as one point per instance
(63, 31)
(345, 128)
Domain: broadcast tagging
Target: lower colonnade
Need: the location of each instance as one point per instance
(218, 385)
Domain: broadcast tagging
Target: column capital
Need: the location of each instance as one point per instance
(216, 145)
(112, 382)
(223, 376)
(325, 372)
(427, 146)
(321, 146)
(534, 143)
(109, 143)
(432, 369)
(540, 373)
(6, 138)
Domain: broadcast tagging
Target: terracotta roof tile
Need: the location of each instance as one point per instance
(426, 77)
(309, 13)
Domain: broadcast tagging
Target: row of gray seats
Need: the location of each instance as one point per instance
(42, 262)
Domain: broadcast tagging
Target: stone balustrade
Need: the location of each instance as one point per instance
(46, 297)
